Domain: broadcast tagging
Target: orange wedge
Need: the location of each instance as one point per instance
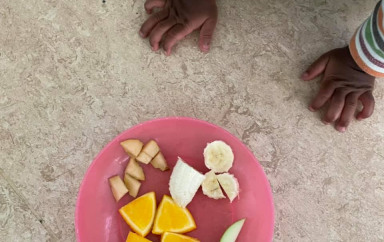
(170, 217)
(172, 237)
(132, 237)
(140, 213)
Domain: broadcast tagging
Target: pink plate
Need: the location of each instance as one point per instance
(97, 217)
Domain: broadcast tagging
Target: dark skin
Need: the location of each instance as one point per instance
(344, 84)
(177, 19)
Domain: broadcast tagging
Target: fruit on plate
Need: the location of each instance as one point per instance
(231, 234)
(172, 237)
(132, 237)
(118, 188)
(211, 186)
(132, 184)
(229, 184)
(184, 183)
(170, 217)
(159, 162)
(132, 147)
(218, 156)
(140, 213)
(134, 170)
(149, 151)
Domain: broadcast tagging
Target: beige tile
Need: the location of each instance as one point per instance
(17, 221)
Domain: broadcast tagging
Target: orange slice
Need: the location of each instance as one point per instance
(140, 213)
(172, 237)
(170, 217)
(132, 237)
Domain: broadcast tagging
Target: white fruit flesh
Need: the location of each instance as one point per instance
(149, 151)
(231, 234)
(118, 188)
(159, 162)
(134, 170)
(144, 158)
(132, 147)
(132, 184)
(211, 186)
(218, 156)
(184, 183)
(229, 184)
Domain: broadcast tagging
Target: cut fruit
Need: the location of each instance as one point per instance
(132, 184)
(144, 158)
(118, 188)
(134, 170)
(132, 237)
(132, 147)
(211, 186)
(159, 162)
(170, 217)
(218, 156)
(149, 151)
(231, 234)
(229, 184)
(140, 213)
(184, 183)
(172, 237)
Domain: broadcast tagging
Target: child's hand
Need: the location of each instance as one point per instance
(343, 84)
(177, 19)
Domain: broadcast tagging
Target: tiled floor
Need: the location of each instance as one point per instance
(74, 74)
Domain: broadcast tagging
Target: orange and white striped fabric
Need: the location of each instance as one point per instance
(367, 45)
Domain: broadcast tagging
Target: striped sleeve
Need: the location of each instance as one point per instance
(367, 44)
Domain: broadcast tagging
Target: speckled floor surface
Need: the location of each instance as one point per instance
(74, 74)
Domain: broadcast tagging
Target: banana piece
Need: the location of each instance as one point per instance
(184, 183)
(229, 184)
(218, 156)
(211, 186)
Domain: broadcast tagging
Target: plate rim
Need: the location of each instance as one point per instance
(265, 178)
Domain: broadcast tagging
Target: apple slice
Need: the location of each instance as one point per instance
(132, 147)
(159, 162)
(134, 170)
(118, 188)
(144, 158)
(149, 151)
(231, 234)
(132, 184)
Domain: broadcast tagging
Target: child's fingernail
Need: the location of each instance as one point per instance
(324, 122)
(304, 75)
(205, 47)
(141, 34)
(341, 129)
(311, 109)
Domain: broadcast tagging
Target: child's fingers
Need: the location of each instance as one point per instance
(175, 34)
(151, 22)
(159, 30)
(151, 4)
(335, 107)
(324, 94)
(348, 111)
(368, 102)
(316, 68)
(206, 34)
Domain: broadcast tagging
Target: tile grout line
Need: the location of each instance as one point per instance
(21, 196)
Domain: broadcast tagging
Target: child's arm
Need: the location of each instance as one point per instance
(177, 19)
(349, 73)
